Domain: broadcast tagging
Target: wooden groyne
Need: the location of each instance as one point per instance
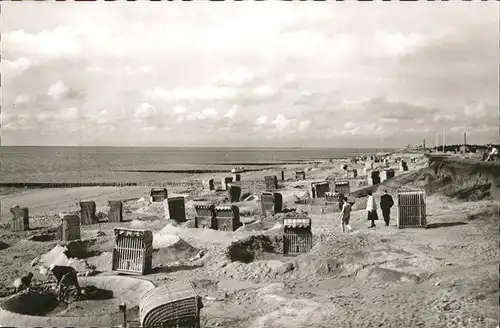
(190, 184)
(201, 171)
(287, 162)
(158, 184)
(42, 185)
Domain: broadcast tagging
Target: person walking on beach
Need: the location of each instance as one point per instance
(345, 214)
(341, 201)
(371, 209)
(386, 203)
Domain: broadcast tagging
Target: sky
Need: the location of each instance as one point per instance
(250, 74)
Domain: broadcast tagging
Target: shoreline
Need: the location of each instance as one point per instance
(43, 198)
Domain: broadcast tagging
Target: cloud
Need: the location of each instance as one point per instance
(62, 40)
(215, 93)
(178, 110)
(281, 122)
(194, 116)
(304, 125)
(394, 120)
(240, 77)
(71, 114)
(192, 94)
(400, 44)
(17, 66)
(265, 91)
(209, 112)
(231, 113)
(17, 122)
(191, 115)
(21, 99)
(301, 66)
(57, 90)
(479, 110)
(5, 117)
(137, 70)
(444, 118)
(144, 112)
(261, 120)
(349, 125)
(106, 118)
(386, 119)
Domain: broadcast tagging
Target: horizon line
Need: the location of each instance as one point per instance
(241, 147)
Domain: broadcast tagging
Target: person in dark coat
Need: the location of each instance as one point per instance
(66, 277)
(386, 203)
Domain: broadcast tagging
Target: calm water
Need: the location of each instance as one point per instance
(82, 164)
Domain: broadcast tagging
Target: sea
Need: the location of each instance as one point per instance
(30, 164)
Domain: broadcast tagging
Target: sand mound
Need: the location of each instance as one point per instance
(168, 250)
(455, 177)
(146, 207)
(164, 240)
(150, 223)
(473, 193)
(172, 249)
(317, 266)
(254, 225)
(254, 248)
(205, 237)
(275, 288)
(190, 224)
(102, 262)
(257, 271)
(82, 249)
(385, 275)
(339, 244)
(289, 313)
(359, 204)
(74, 255)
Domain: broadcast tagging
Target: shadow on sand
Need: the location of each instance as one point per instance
(37, 228)
(444, 224)
(3, 245)
(175, 268)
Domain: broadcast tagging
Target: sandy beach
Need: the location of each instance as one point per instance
(446, 275)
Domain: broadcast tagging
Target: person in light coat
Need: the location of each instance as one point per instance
(371, 209)
(493, 153)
